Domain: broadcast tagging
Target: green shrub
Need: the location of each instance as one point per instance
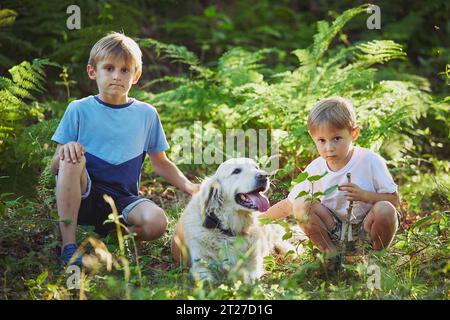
(18, 106)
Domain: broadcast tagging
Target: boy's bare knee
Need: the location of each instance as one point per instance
(155, 222)
(161, 221)
(385, 214)
(70, 167)
(384, 210)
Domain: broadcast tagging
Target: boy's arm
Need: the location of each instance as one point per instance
(169, 171)
(279, 210)
(355, 193)
(373, 197)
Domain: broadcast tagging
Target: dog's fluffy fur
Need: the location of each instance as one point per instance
(232, 194)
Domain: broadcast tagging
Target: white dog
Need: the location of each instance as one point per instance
(219, 231)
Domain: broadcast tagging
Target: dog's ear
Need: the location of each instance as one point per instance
(213, 201)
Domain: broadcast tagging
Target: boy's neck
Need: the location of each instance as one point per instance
(117, 100)
(339, 166)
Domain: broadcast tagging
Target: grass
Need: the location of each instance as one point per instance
(415, 267)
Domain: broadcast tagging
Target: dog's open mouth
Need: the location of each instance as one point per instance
(254, 200)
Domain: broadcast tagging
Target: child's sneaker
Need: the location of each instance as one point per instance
(67, 253)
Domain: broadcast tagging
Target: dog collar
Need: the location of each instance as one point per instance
(213, 222)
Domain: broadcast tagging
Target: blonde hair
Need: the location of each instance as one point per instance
(335, 111)
(117, 45)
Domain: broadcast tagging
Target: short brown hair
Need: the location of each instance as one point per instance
(117, 45)
(335, 111)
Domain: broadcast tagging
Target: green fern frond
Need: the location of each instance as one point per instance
(16, 95)
(377, 51)
(327, 32)
(173, 52)
(33, 144)
(304, 56)
(7, 17)
(178, 54)
(239, 66)
(46, 185)
(169, 79)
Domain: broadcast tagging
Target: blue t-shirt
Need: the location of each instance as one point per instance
(116, 139)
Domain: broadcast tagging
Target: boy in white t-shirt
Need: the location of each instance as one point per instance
(372, 191)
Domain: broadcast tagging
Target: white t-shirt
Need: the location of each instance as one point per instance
(368, 171)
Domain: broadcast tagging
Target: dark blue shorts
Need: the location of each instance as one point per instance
(94, 210)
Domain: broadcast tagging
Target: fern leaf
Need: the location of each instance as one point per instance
(7, 17)
(327, 32)
(378, 51)
(16, 93)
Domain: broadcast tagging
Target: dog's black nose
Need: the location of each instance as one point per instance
(261, 176)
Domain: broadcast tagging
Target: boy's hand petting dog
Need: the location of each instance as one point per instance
(353, 193)
(71, 152)
(194, 188)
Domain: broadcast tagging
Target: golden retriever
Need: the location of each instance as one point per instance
(218, 232)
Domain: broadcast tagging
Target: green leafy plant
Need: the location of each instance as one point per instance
(17, 103)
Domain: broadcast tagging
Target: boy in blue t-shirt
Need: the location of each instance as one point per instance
(102, 143)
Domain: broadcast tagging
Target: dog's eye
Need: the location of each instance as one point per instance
(236, 171)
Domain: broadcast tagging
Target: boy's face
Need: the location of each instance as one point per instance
(334, 145)
(114, 79)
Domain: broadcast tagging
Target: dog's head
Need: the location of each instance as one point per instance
(239, 184)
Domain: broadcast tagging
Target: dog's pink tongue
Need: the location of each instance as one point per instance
(260, 201)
